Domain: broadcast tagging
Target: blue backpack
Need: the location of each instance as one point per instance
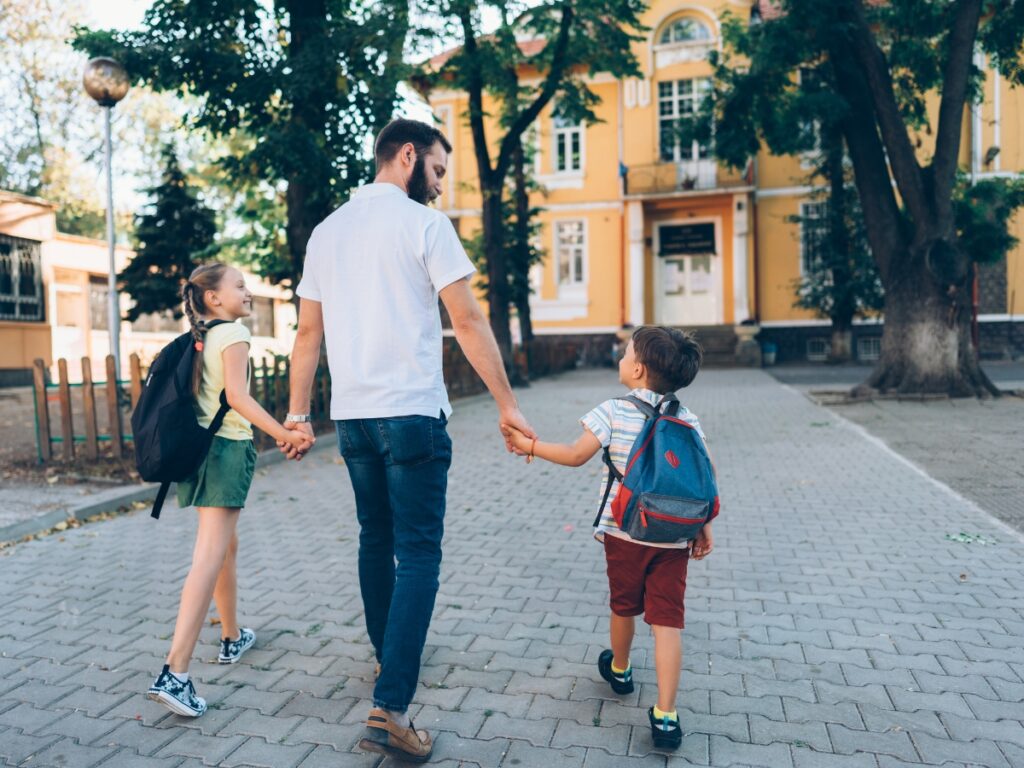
(668, 491)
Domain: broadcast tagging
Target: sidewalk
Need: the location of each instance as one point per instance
(835, 625)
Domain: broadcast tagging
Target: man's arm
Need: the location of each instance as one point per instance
(474, 336)
(304, 359)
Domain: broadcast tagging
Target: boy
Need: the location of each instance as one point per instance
(643, 578)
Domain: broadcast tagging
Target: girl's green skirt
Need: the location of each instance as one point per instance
(224, 477)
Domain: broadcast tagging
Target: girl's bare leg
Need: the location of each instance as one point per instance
(225, 594)
(213, 539)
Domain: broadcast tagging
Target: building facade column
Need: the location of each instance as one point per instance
(637, 281)
(741, 229)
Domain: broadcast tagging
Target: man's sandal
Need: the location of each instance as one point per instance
(386, 738)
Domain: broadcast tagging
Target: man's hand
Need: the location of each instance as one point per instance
(293, 450)
(513, 417)
(702, 545)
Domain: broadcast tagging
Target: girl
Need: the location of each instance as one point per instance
(220, 485)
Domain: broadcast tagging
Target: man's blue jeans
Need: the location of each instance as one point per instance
(399, 472)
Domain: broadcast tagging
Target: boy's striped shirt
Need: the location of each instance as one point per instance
(616, 424)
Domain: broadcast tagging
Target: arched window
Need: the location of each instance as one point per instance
(685, 30)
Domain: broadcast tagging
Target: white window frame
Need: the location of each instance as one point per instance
(818, 348)
(869, 348)
(804, 207)
(671, 25)
(676, 100)
(564, 131)
(576, 288)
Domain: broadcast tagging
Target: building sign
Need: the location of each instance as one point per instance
(686, 239)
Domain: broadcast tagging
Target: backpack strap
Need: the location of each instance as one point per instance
(214, 427)
(650, 412)
(672, 403)
(159, 503)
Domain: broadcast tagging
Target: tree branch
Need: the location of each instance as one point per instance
(872, 61)
(550, 87)
(955, 77)
(882, 217)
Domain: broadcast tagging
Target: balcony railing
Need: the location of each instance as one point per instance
(666, 178)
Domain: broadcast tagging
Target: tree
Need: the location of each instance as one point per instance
(173, 238)
(840, 280)
(297, 86)
(885, 60)
(569, 39)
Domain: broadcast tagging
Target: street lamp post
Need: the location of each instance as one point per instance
(106, 81)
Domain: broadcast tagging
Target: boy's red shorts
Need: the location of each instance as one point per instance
(647, 580)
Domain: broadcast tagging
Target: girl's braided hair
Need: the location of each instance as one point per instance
(206, 277)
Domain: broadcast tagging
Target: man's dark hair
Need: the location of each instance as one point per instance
(401, 131)
(672, 357)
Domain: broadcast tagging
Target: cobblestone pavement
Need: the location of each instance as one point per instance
(835, 625)
(973, 446)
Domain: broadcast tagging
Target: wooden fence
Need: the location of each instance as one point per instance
(91, 418)
(84, 419)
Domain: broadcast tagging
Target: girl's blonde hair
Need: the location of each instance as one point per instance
(206, 277)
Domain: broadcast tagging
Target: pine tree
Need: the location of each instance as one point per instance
(175, 236)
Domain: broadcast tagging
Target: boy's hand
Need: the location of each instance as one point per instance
(702, 545)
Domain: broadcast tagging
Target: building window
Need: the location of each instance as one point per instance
(869, 348)
(568, 145)
(817, 350)
(813, 235)
(157, 322)
(678, 102)
(571, 253)
(685, 30)
(98, 303)
(261, 321)
(21, 283)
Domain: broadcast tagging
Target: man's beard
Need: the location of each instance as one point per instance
(419, 190)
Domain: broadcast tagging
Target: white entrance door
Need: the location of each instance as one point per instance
(688, 291)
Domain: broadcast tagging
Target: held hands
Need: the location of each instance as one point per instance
(702, 545)
(520, 443)
(299, 441)
(512, 419)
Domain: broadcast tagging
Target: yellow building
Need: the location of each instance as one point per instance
(53, 301)
(639, 229)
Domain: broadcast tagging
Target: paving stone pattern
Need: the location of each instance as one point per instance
(834, 625)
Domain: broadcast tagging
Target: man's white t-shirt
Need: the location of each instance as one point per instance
(376, 265)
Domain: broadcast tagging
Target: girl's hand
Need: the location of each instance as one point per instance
(702, 545)
(519, 441)
(300, 441)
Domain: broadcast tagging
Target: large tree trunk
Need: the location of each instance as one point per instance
(926, 342)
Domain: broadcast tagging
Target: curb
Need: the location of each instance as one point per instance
(116, 498)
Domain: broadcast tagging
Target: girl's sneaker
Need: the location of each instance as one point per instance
(232, 650)
(177, 696)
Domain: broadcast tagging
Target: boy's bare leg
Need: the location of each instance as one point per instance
(622, 629)
(668, 661)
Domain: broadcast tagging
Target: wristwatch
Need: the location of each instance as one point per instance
(303, 418)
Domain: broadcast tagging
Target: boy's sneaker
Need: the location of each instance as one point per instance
(177, 696)
(621, 684)
(232, 650)
(665, 732)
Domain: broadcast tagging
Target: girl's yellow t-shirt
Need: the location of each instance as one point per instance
(218, 339)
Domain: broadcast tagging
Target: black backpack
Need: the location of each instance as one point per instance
(169, 442)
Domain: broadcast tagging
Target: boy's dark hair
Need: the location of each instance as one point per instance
(402, 131)
(672, 357)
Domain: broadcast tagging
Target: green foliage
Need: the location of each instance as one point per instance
(173, 238)
(840, 283)
(983, 213)
(297, 86)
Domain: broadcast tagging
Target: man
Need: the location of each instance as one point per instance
(373, 272)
